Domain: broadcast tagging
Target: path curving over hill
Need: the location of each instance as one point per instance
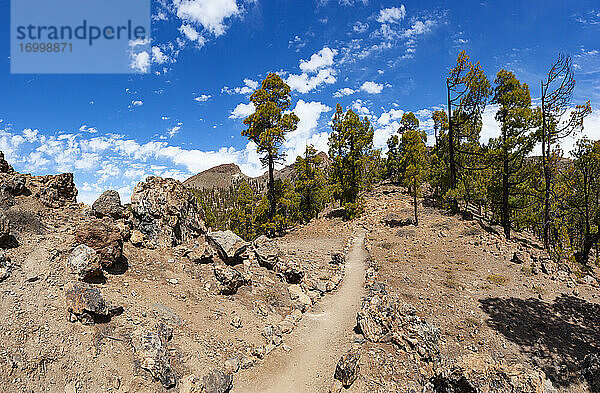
(318, 341)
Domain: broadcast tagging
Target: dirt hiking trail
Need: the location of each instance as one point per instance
(322, 336)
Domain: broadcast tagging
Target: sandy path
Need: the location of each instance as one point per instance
(318, 341)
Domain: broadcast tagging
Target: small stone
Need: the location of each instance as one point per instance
(232, 365)
(336, 387)
(236, 322)
(348, 368)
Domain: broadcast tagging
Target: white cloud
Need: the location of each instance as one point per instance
(140, 62)
(322, 59)
(175, 129)
(309, 114)
(371, 87)
(359, 107)
(315, 72)
(85, 128)
(304, 83)
(392, 15)
(249, 87)
(360, 27)
(203, 98)
(191, 34)
(158, 56)
(387, 117)
(419, 28)
(242, 111)
(346, 91)
(210, 14)
(137, 102)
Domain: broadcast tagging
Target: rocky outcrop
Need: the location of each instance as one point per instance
(229, 246)
(383, 318)
(5, 266)
(14, 185)
(104, 237)
(108, 205)
(150, 345)
(166, 212)
(86, 303)
(497, 379)
(84, 263)
(230, 279)
(57, 190)
(4, 230)
(4, 166)
(348, 367)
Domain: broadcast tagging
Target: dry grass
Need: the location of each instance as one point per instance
(497, 279)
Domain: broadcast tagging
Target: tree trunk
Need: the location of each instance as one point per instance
(589, 241)
(415, 203)
(546, 209)
(453, 202)
(272, 204)
(505, 205)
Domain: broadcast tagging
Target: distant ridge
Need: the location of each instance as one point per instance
(230, 175)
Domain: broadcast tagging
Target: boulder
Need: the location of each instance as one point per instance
(104, 237)
(57, 190)
(150, 345)
(267, 252)
(229, 246)
(5, 266)
(15, 185)
(4, 230)
(200, 253)
(86, 303)
(348, 367)
(108, 205)
(230, 278)
(84, 263)
(166, 212)
(232, 365)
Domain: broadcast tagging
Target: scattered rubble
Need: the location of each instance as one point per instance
(348, 367)
(150, 345)
(230, 278)
(86, 304)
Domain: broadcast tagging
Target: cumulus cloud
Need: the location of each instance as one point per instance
(322, 59)
(392, 15)
(309, 114)
(241, 111)
(192, 34)
(137, 103)
(371, 87)
(360, 27)
(346, 91)
(202, 98)
(316, 71)
(249, 87)
(209, 14)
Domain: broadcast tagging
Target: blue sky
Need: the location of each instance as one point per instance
(380, 58)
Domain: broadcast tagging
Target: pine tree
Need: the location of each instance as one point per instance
(310, 184)
(242, 220)
(393, 164)
(414, 162)
(267, 127)
(350, 149)
(508, 151)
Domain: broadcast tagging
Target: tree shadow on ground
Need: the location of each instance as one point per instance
(555, 336)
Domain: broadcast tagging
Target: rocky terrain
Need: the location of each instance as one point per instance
(142, 297)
